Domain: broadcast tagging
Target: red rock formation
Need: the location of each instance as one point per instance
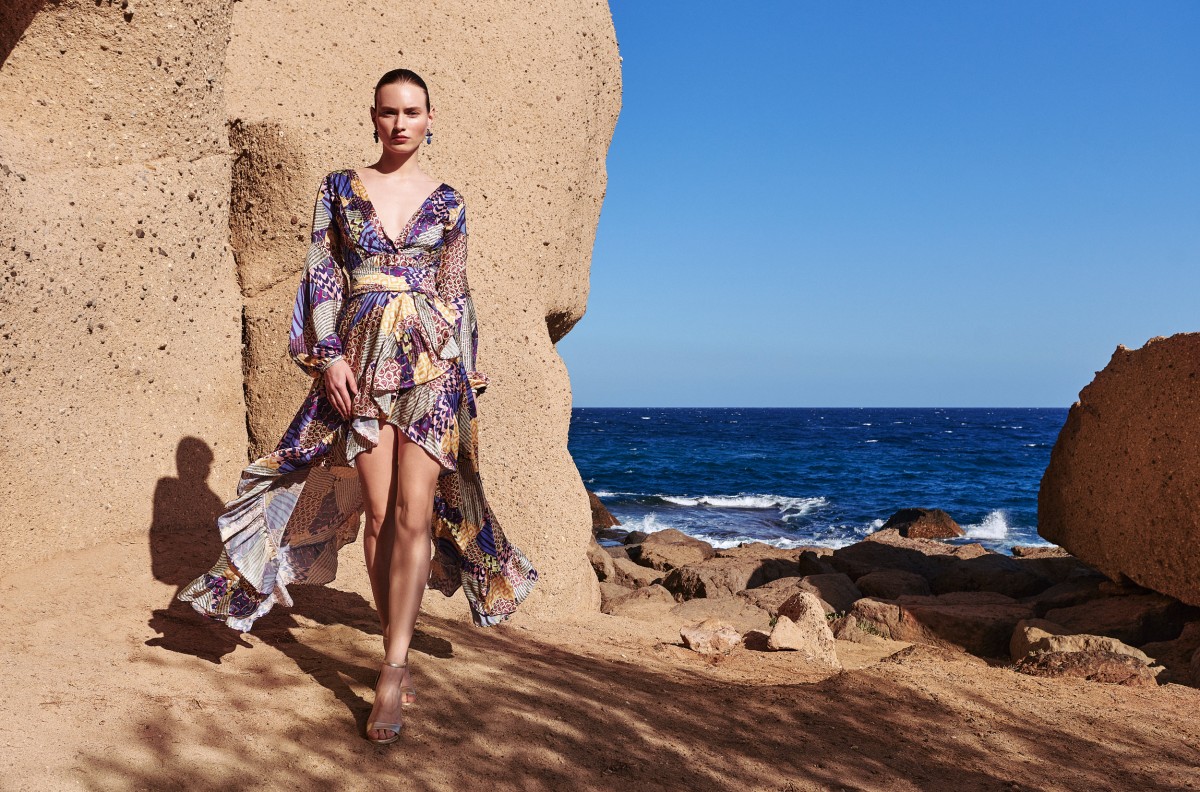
(1121, 490)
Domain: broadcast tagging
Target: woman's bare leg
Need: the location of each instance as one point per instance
(376, 475)
(416, 480)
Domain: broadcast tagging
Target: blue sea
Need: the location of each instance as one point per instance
(828, 477)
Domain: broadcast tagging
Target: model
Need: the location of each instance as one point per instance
(385, 324)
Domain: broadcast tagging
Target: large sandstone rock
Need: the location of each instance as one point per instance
(1120, 490)
(668, 549)
(924, 524)
(120, 313)
(157, 185)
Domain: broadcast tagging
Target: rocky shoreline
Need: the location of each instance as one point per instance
(1041, 611)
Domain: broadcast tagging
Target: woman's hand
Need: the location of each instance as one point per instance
(340, 386)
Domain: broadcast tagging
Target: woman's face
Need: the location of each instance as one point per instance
(399, 116)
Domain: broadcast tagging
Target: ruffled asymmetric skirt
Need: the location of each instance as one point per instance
(297, 506)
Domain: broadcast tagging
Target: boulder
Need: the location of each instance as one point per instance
(892, 583)
(1039, 551)
(815, 562)
(711, 636)
(756, 640)
(924, 524)
(726, 576)
(668, 549)
(616, 551)
(609, 592)
(1038, 635)
(1056, 568)
(1120, 490)
(763, 550)
(1176, 655)
(731, 610)
(631, 575)
(991, 572)
(836, 591)
(646, 603)
(770, 596)
(1134, 619)
(811, 638)
(1063, 595)
(602, 518)
(186, 190)
(1096, 666)
(602, 562)
(978, 622)
(635, 537)
(847, 628)
(1195, 668)
(887, 549)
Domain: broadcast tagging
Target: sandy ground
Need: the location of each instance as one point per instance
(110, 686)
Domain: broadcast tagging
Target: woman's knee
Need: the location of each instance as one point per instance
(413, 521)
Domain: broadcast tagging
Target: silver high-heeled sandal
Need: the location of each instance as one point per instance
(405, 692)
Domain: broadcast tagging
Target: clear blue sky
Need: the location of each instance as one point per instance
(891, 204)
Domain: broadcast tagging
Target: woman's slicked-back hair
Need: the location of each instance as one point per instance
(403, 76)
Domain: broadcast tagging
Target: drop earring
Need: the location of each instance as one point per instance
(375, 132)
(428, 134)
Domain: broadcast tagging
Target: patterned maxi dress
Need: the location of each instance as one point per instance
(400, 313)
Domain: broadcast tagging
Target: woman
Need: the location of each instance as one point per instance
(385, 324)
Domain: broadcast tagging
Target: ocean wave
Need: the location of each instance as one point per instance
(648, 523)
(788, 505)
(993, 526)
(784, 543)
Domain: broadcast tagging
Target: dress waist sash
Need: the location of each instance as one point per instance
(437, 321)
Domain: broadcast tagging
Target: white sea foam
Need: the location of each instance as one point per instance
(870, 441)
(647, 522)
(789, 506)
(993, 526)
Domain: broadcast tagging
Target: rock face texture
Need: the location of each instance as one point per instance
(159, 169)
(1120, 492)
(120, 315)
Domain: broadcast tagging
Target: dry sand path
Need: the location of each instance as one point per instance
(109, 686)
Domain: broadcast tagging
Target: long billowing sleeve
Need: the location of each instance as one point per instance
(453, 289)
(313, 342)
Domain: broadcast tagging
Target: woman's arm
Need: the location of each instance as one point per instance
(454, 290)
(313, 342)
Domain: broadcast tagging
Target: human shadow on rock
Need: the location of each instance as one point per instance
(185, 543)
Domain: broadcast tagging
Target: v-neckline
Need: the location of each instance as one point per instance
(407, 229)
